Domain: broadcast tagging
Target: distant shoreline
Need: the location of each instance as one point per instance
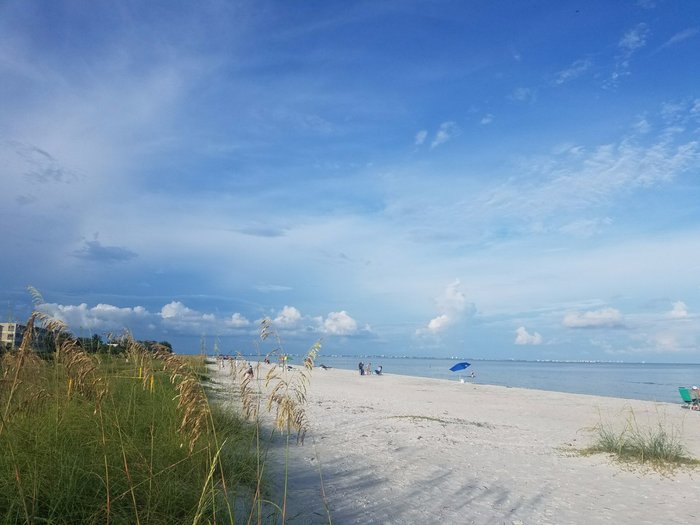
(476, 359)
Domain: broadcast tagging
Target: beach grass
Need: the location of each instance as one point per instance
(134, 438)
(275, 404)
(117, 439)
(659, 445)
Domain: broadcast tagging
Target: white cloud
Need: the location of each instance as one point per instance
(604, 318)
(595, 177)
(420, 137)
(438, 323)
(679, 311)
(292, 321)
(237, 321)
(522, 337)
(288, 318)
(339, 323)
(99, 317)
(634, 39)
(575, 70)
(174, 310)
(179, 317)
(453, 307)
(453, 300)
(445, 132)
(681, 36)
(487, 119)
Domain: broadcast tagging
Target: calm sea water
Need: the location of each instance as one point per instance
(647, 381)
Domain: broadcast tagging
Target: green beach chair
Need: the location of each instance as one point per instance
(690, 398)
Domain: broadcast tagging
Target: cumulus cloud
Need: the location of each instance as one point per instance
(522, 337)
(453, 300)
(679, 311)
(438, 323)
(288, 318)
(603, 318)
(179, 317)
(445, 132)
(237, 321)
(339, 323)
(99, 317)
(291, 320)
(420, 137)
(452, 306)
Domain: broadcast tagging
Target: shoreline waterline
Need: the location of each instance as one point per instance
(642, 381)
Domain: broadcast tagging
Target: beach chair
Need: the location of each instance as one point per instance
(690, 397)
(695, 395)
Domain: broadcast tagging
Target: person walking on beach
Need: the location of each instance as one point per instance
(361, 366)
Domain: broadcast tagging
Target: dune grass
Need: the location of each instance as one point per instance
(659, 446)
(128, 439)
(276, 404)
(134, 438)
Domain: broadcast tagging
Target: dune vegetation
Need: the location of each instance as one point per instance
(659, 446)
(133, 438)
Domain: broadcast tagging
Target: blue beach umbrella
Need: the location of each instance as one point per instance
(460, 366)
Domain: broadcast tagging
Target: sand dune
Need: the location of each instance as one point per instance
(399, 449)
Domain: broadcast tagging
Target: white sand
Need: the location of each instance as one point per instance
(399, 449)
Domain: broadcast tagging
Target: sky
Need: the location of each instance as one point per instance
(495, 180)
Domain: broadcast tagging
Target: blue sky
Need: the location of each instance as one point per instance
(482, 179)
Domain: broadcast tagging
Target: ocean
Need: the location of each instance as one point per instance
(646, 381)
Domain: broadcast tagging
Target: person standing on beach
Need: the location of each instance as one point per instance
(361, 366)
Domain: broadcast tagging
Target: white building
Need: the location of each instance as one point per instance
(11, 334)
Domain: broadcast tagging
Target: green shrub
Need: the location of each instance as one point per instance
(659, 446)
(115, 454)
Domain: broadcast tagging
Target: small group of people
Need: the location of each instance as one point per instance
(366, 369)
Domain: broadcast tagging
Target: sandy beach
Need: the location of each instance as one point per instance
(399, 449)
